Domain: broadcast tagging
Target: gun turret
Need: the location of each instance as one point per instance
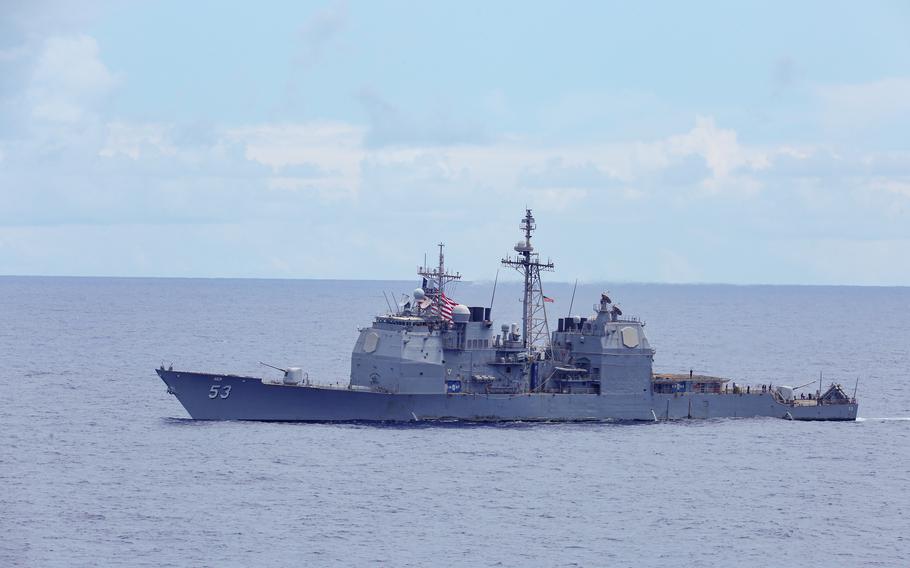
(285, 371)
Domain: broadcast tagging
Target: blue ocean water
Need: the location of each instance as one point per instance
(99, 466)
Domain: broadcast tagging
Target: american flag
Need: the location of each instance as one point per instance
(444, 307)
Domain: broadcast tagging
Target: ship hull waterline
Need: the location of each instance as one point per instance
(208, 396)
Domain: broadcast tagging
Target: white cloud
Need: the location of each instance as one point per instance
(279, 145)
(130, 139)
(326, 188)
(593, 113)
(891, 195)
(332, 161)
(743, 185)
(324, 176)
(333, 149)
(557, 199)
(556, 173)
(390, 126)
(68, 79)
(865, 105)
(898, 187)
(306, 198)
(718, 146)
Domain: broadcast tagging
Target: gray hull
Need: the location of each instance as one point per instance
(227, 397)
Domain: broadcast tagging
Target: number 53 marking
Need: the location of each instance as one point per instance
(225, 391)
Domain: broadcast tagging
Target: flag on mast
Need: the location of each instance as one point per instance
(548, 299)
(443, 307)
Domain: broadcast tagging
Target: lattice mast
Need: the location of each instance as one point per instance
(439, 277)
(534, 325)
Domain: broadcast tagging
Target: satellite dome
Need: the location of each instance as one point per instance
(419, 294)
(461, 313)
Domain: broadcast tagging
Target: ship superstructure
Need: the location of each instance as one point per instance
(436, 359)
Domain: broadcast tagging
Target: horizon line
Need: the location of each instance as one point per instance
(480, 281)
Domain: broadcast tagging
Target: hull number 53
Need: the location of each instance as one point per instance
(220, 391)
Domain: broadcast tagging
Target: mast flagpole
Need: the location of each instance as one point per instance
(493, 296)
(528, 264)
(572, 303)
(437, 277)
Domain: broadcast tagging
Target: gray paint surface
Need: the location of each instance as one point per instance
(252, 399)
(416, 364)
(404, 368)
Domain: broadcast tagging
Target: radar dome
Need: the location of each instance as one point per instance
(461, 313)
(419, 294)
(522, 246)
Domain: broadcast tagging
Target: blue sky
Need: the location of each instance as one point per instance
(659, 142)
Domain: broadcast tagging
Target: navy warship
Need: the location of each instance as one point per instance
(435, 359)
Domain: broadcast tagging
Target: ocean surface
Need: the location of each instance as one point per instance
(99, 466)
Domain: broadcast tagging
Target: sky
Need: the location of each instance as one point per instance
(723, 142)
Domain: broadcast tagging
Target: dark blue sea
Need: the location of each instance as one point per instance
(99, 466)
